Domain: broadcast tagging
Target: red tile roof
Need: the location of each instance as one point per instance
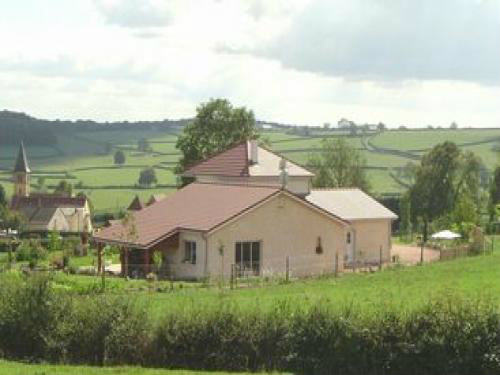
(232, 162)
(200, 207)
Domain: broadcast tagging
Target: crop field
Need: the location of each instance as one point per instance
(82, 159)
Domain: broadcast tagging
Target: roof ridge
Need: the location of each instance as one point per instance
(237, 184)
(230, 147)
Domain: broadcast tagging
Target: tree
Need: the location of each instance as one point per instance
(444, 177)
(3, 197)
(147, 177)
(40, 184)
(405, 226)
(337, 164)
(143, 145)
(119, 157)
(454, 125)
(381, 127)
(494, 193)
(216, 127)
(64, 188)
(353, 129)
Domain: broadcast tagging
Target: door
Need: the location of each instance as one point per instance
(349, 240)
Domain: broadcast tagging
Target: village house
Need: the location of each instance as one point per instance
(253, 210)
(47, 212)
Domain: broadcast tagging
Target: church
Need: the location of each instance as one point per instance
(47, 212)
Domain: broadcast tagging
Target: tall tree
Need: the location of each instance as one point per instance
(119, 157)
(217, 126)
(3, 197)
(444, 177)
(494, 193)
(338, 164)
(147, 177)
(64, 188)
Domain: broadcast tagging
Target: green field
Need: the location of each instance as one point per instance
(18, 368)
(401, 288)
(80, 158)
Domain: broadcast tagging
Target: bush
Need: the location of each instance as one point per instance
(451, 336)
(31, 251)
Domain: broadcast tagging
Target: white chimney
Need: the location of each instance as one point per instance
(254, 152)
(283, 173)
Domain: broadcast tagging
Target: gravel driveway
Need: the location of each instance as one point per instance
(411, 254)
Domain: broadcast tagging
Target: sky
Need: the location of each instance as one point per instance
(307, 62)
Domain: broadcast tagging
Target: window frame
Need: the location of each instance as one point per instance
(189, 252)
(246, 262)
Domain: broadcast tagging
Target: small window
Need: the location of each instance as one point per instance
(190, 252)
(348, 239)
(319, 247)
(247, 257)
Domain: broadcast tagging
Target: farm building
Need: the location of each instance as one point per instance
(47, 212)
(253, 209)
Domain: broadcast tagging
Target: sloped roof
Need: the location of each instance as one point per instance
(235, 162)
(350, 204)
(197, 206)
(47, 200)
(22, 161)
(136, 204)
(232, 162)
(155, 198)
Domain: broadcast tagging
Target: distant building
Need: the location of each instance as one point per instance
(47, 212)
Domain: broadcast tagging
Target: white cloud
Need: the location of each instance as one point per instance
(82, 64)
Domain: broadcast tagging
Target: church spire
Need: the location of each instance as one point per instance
(21, 161)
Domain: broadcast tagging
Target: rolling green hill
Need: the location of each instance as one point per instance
(80, 157)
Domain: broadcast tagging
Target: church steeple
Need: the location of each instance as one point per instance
(22, 174)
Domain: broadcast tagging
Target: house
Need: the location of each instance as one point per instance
(47, 212)
(369, 236)
(247, 163)
(208, 229)
(256, 210)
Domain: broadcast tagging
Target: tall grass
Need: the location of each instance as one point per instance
(449, 335)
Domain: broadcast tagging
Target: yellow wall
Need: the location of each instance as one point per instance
(370, 235)
(285, 227)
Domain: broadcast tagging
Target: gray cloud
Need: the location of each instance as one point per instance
(394, 39)
(134, 14)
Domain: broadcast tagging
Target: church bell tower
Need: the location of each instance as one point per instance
(21, 174)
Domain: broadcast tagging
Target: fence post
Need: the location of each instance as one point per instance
(422, 252)
(380, 259)
(231, 280)
(287, 265)
(336, 263)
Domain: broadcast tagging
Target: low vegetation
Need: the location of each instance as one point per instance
(438, 318)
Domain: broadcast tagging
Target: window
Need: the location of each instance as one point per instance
(247, 257)
(190, 252)
(348, 239)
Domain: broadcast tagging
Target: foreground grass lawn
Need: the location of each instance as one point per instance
(17, 368)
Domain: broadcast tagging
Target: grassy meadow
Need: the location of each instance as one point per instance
(81, 158)
(19, 368)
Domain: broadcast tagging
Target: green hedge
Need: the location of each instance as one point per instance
(451, 336)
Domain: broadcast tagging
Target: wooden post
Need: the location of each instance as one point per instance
(287, 268)
(336, 263)
(122, 261)
(380, 259)
(231, 280)
(146, 259)
(125, 258)
(99, 258)
(422, 252)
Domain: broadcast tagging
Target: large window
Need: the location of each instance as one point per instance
(247, 257)
(190, 252)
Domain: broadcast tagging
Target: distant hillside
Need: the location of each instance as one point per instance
(17, 126)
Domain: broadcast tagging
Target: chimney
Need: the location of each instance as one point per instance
(283, 173)
(254, 152)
